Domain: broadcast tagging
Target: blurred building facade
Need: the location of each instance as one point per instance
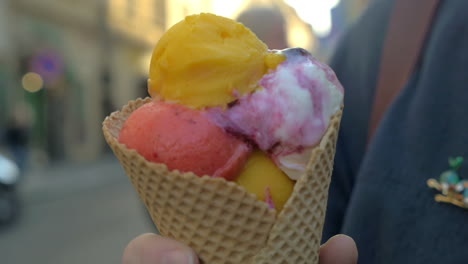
(6, 61)
(134, 27)
(62, 42)
(93, 56)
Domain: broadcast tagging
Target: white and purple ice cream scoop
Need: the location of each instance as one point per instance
(289, 116)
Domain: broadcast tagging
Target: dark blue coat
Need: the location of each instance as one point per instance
(379, 196)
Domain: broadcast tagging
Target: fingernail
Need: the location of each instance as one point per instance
(177, 257)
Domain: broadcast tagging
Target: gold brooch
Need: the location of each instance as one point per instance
(452, 189)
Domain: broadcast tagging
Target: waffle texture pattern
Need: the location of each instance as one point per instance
(220, 220)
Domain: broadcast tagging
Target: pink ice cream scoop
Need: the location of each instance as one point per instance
(290, 114)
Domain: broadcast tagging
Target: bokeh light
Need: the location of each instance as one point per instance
(32, 82)
(315, 12)
(228, 8)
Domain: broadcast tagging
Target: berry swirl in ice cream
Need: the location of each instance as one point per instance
(290, 114)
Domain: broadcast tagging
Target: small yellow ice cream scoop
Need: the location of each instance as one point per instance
(207, 60)
(262, 177)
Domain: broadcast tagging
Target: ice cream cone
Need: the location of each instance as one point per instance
(220, 219)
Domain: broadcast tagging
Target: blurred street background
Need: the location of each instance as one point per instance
(64, 66)
(74, 214)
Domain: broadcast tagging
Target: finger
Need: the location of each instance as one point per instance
(340, 249)
(154, 249)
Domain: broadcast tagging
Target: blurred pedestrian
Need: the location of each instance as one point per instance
(268, 23)
(17, 133)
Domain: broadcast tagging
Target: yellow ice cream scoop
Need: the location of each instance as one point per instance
(262, 177)
(207, 60)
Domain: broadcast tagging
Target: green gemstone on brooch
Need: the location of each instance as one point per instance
(454, 190)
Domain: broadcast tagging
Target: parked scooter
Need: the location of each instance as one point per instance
(9, 177)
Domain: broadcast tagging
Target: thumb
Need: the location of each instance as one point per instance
(340, 249)
(155, 249)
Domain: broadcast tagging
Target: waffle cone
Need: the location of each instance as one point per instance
(220, 220)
